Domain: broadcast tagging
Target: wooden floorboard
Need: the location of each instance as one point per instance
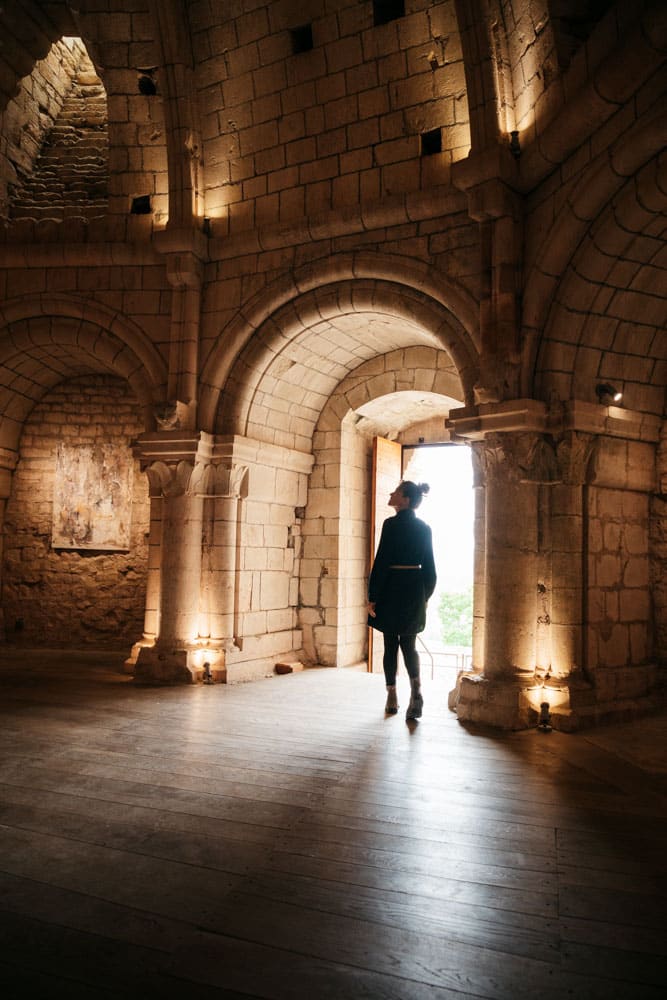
(284, 839)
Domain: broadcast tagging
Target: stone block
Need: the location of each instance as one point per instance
(636, 572)
(614, 649)
(274, 590)
(288, 667)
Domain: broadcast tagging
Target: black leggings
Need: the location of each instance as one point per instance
(390, 658)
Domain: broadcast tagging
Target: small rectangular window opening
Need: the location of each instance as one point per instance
(431, 142)
(302, 39)
(141, 205)
(385, 11)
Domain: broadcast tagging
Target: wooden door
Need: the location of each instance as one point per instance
(386, 474)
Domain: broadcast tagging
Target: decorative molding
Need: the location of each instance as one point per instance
(234, 449)
(475, 423)
(575, 451)
(179, 479)
(229, 481)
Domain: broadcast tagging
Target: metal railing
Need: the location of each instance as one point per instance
(461, 657)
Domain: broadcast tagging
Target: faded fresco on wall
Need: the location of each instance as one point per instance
(92, 497)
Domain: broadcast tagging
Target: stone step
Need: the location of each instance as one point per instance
(70, 175)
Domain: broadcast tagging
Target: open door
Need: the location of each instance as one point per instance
(387, 471)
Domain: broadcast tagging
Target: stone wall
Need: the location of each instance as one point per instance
(658, 538)
(620, 632)
(70, 598)
(70, 177)
(292, 132)
(253, 561)
(32, 113)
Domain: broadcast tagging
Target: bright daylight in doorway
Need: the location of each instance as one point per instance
(449, 509)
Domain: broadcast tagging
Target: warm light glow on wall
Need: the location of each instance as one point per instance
(555, 696)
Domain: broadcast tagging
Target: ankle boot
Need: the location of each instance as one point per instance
(416, 701)
(391, 708)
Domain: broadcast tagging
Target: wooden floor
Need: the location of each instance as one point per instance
(284, 839)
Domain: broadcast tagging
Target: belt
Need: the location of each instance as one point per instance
(406, 567)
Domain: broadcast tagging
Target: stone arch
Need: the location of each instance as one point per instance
(354, 284)
(336, 525)
(609, 307)
(624, 173)
(45, 341)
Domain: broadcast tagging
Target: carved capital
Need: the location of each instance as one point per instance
(518, 457)
(178, 479)
(576, 453)
(230, 481)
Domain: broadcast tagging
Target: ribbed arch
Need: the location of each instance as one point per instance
(300, 354)
(341, 311)
(609, 314)
(626, 183)
(46, 341)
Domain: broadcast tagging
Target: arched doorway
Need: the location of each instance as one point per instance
(304, 384)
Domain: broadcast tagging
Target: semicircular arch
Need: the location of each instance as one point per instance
(287, 372)
(48, 340)
(608, 315)
(345, 291)
(616, 174)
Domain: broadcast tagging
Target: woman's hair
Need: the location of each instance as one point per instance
(414, 492)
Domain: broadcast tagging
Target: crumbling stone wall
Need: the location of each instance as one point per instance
(70, 178)
(72, 598)
(32, 113)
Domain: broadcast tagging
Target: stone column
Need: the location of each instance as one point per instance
(569, 557)
(511, 466)
(178, 468)
(8, 460)
(228, 485)
(479, 557)
(511, 560)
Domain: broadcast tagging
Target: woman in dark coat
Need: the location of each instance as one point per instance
(402, 580)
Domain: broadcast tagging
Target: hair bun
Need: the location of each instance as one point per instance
(423, 488)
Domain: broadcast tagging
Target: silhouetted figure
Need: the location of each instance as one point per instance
(402, 580)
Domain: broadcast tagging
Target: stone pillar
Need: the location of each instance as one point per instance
(498, 695)
(479, 558)
(153, 575)
(511, 560)
(178, 469)
(569, 557)
(8, 460)
(569, 610)
(228, 486)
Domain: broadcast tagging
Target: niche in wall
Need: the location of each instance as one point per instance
(79, 595)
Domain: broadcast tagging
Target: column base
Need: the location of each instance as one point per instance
(130, 663)
(504, 704)
(572, 703)
(166, 665)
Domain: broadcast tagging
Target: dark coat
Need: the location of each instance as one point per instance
(400, 595)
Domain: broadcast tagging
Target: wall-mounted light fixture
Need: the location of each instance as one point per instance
(607, 394)
(515, 145)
